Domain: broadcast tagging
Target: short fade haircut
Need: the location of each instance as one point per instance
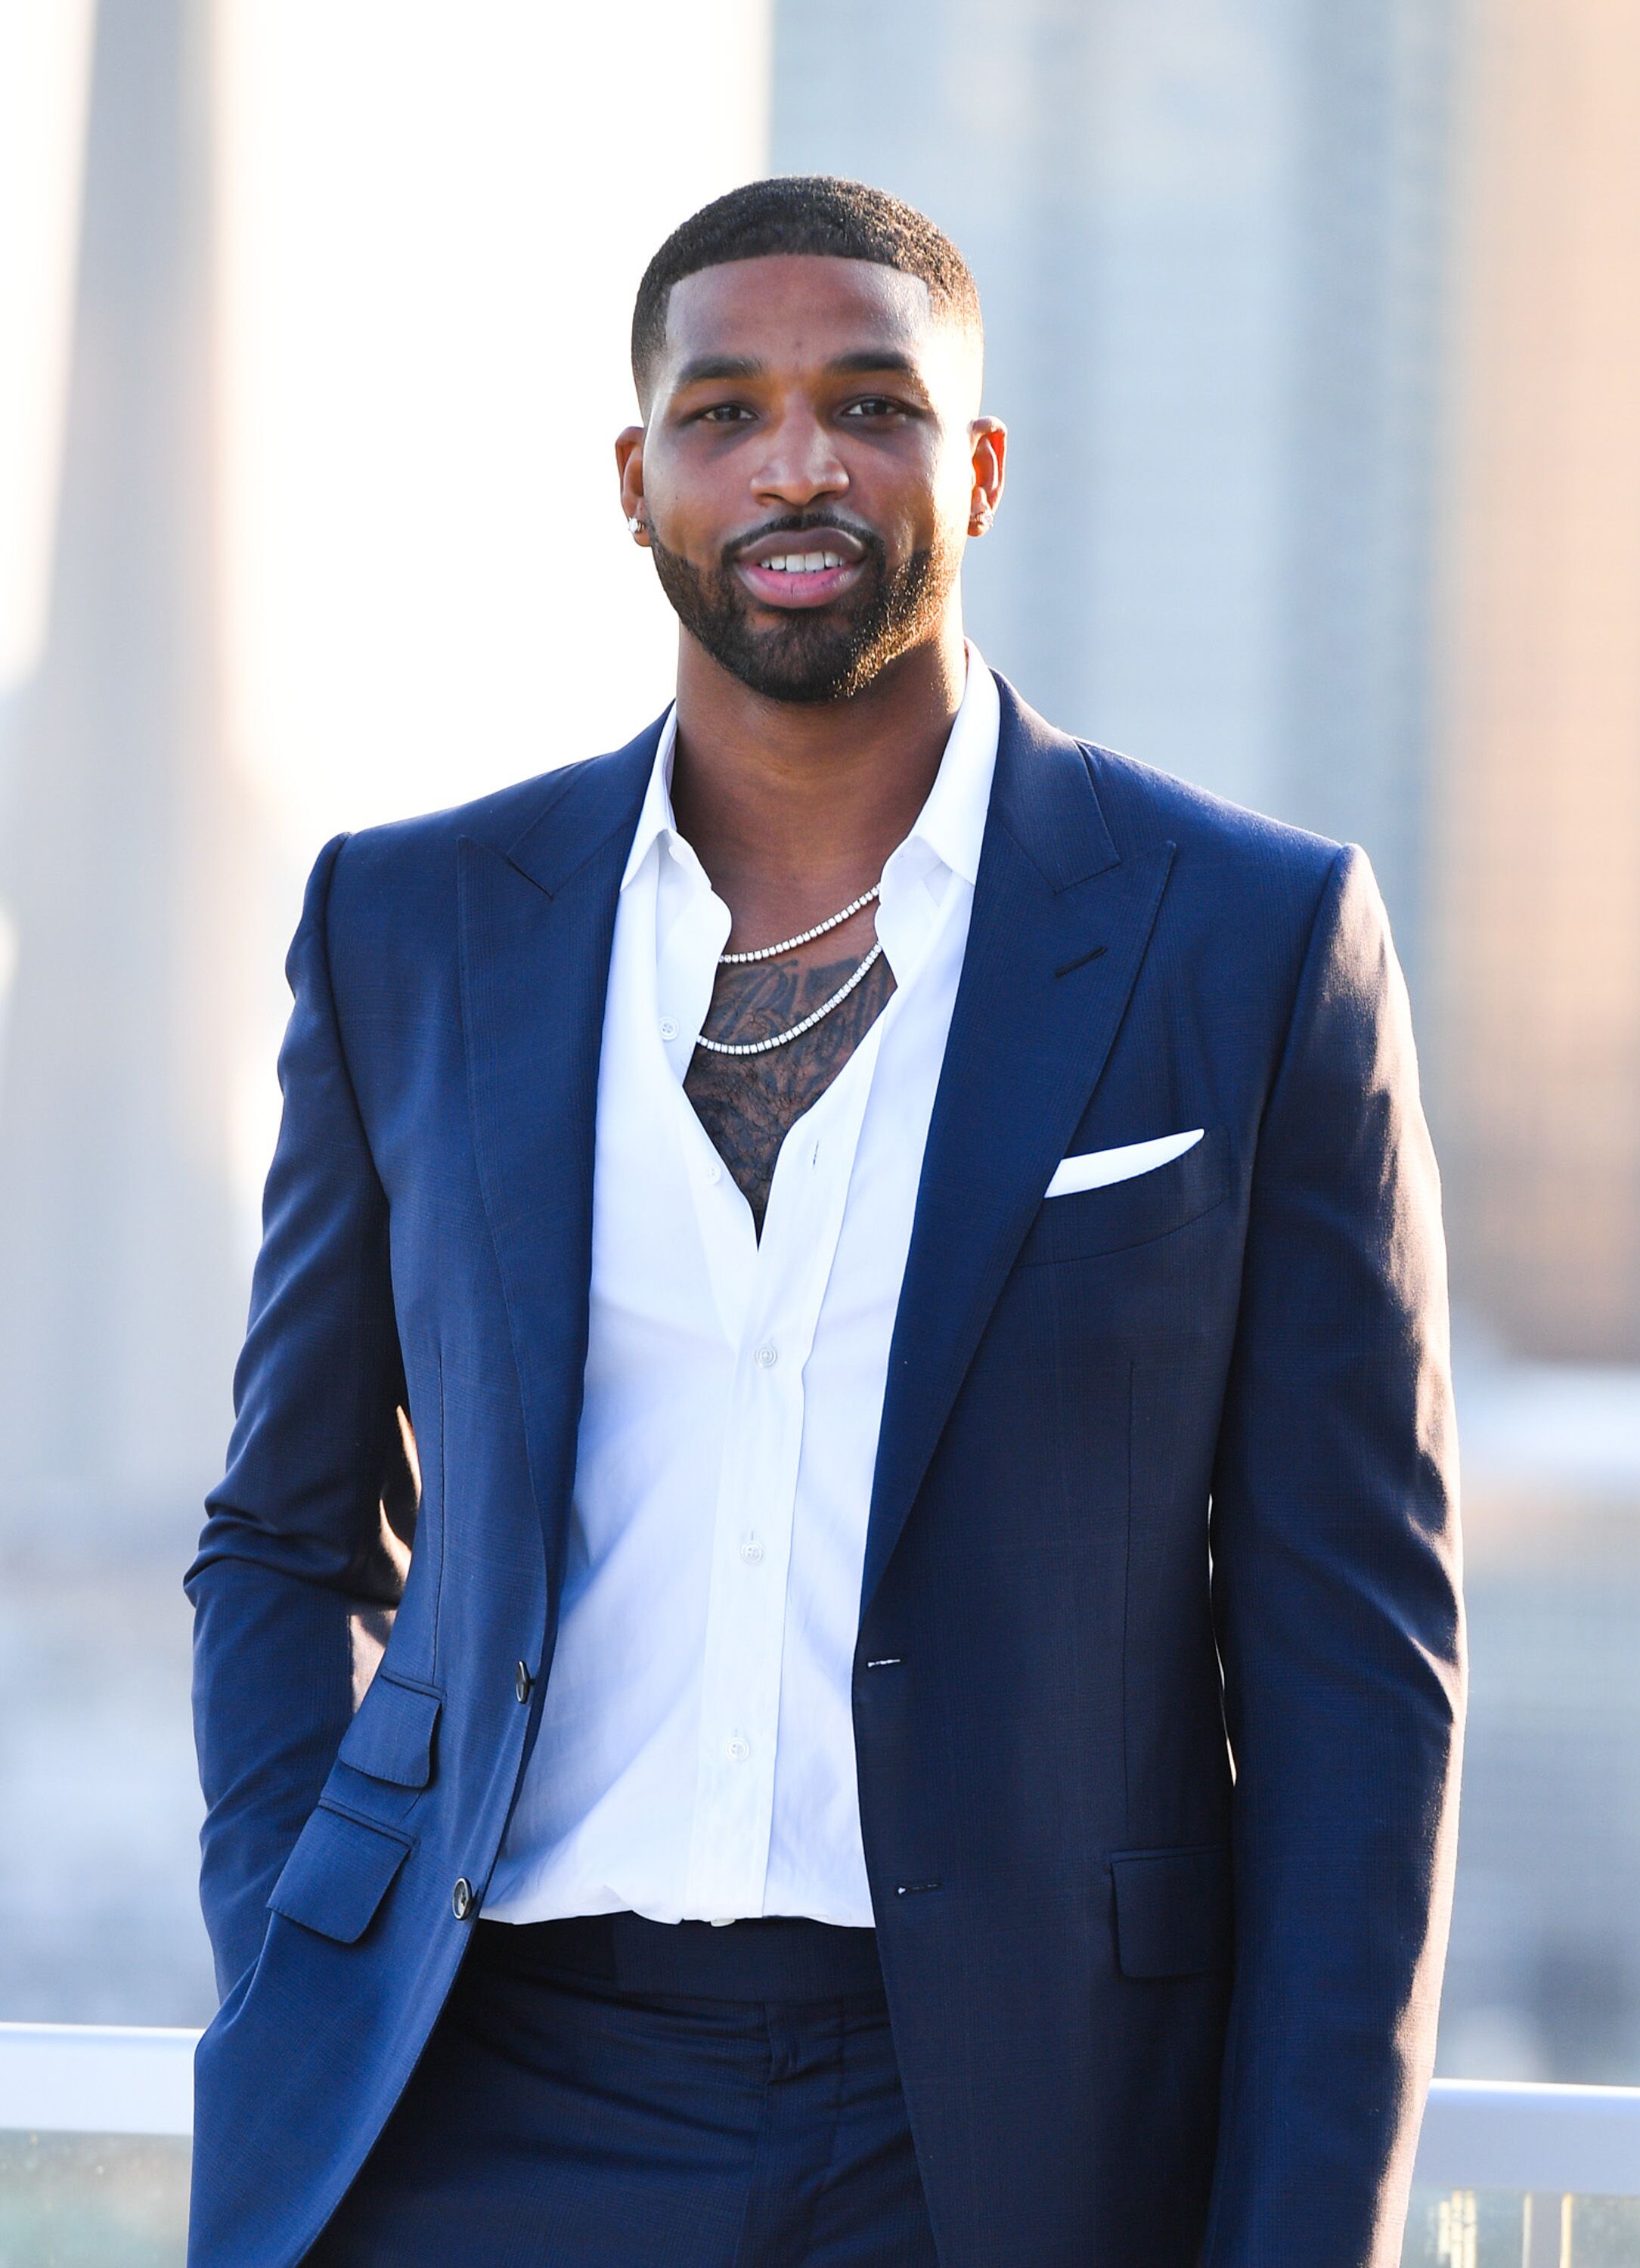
(801, 213)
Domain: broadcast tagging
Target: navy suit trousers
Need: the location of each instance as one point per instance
(564, 2117)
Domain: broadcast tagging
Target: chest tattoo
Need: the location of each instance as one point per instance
(749, 1103)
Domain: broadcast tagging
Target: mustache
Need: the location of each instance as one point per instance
(804, 523)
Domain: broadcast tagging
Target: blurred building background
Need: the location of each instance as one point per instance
(1211, 241)
(1316, 326)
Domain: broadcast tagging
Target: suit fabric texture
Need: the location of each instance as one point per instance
(1159, 1678)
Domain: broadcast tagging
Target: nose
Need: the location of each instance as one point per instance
(799, 464)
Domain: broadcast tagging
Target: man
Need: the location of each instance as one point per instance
(859, 1284)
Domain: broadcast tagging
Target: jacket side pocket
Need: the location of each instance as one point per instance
(338, 1875)
(1173, 1911)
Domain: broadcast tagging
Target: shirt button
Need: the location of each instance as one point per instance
(766, 1357)
(714, 1172)
(751, 1551)
(669, 1029)
(523, 1681)
(461, 1899)
(737, 1748)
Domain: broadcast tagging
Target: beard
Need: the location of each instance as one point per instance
(823, 653)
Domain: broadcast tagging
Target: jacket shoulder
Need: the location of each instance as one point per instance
(502, 819)
(1144, 806)
(1277, 870)
(1242, 886)
(384, 875)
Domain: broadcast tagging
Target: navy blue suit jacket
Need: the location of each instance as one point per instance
(1158, 1789)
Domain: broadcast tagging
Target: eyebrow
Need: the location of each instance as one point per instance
(869, 360)
(705, 367)
(865, 362)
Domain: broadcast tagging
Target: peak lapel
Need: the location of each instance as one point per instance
(537, 921)
(1057, 933)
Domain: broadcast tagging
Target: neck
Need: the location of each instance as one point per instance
(793, 808)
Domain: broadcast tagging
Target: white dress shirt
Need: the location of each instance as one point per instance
(695, 1756)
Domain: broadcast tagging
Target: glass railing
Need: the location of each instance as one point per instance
(94, 2127)
(1520, 2177)
(94, 2130)
(93, 2200)
(1510, 2228)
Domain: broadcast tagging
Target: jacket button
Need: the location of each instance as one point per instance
(461, 1899)
(523, 1681)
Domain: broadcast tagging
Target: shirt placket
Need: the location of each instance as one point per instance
(692, 928)
(758, 1501)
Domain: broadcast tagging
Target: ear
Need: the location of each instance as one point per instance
(629, 465)
(988, 438)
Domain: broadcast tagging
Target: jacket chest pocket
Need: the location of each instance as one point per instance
(1137, 1211)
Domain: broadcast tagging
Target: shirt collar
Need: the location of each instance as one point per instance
(655, 821)
(951, 822)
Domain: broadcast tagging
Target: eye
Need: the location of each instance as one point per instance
(725, 413)
(873, 406)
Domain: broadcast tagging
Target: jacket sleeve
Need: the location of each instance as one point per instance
(1335, 1560)
(309, 1528)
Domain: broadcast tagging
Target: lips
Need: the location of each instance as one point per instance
(801, 570)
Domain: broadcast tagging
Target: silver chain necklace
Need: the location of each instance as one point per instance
(803, 937)
(790, 944)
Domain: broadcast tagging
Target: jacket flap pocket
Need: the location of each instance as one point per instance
(1143, 1206)
(391, 1737)
(1173, 1911)
(339, 1874)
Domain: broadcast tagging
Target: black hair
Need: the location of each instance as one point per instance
(808, 213)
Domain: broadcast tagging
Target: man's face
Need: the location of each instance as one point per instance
(808, 469)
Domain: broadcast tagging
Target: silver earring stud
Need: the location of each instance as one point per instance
(979, 520)
(634, 524)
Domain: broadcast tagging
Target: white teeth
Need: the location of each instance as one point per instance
(804, 562)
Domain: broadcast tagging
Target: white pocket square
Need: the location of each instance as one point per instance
(1095, 1169)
